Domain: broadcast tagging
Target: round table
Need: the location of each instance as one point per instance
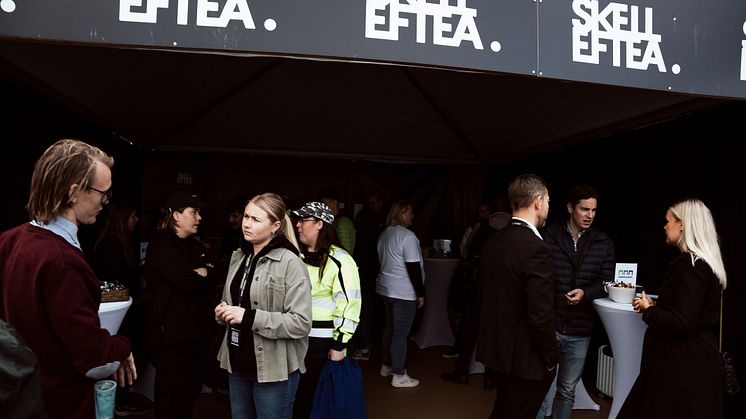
(626, 330)
(112, 314)
(435, 330)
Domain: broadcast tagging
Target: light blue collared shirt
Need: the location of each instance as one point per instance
(62, 227)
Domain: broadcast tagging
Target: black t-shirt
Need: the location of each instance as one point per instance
(243, 359)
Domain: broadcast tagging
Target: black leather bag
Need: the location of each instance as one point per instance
(730, 381)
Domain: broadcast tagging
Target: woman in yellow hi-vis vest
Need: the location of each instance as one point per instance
(335, 290)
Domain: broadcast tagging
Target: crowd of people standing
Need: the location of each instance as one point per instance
(297, 292)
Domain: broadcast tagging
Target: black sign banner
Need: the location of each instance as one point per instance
(686, 46)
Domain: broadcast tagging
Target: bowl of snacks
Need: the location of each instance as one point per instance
(621, 292)
(113, 291)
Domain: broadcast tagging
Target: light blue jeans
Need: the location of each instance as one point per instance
(572, 360)
(399, 319)
(254, 400)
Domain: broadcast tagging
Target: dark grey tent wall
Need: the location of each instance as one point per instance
(30, 122)
(443, 196)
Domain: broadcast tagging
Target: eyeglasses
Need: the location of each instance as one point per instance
(105, 195)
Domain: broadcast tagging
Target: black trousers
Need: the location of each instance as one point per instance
(318, 351)
(362, 339)
(179, 374)
(468, 332)
(518, 398)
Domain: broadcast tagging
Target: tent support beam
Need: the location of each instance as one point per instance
(460, 134)
(210, 106)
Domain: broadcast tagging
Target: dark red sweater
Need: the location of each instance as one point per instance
(51, 296)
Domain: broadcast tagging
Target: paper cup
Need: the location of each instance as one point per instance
(104, 394)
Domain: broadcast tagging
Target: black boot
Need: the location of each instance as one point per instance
(456, 377)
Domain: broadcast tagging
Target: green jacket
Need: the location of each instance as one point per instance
(346, 232)
(283, 314)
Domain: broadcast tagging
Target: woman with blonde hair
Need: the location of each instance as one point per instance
(400, 284)
(266, 308)
(681, 373)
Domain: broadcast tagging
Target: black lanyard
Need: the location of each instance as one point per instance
(244, 278)
(520, 223)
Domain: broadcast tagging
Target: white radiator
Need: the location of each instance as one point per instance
(605, 376)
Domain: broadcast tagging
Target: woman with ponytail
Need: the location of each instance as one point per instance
(266, 308)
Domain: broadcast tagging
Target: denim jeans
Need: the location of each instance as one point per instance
(399, 318)
(253, 400)
(572, 360)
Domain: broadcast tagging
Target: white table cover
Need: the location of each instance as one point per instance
(626, 330)
(435, 329)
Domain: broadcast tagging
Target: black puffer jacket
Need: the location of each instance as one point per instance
(587, 269)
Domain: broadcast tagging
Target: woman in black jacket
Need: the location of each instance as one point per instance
(181, 310)
(681, 373)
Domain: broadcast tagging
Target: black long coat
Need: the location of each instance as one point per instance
(681, 374)
(516, 331)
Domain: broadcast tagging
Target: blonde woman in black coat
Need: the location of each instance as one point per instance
(681, 374)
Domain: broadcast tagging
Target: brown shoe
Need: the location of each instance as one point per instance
(455, 377)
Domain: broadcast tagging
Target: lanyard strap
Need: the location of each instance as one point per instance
(244, 278)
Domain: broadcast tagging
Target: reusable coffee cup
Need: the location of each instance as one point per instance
(104, 394)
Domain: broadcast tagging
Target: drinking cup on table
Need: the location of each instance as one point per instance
(104, 394)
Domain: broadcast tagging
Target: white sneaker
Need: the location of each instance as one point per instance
(404, 381)
(386, 371)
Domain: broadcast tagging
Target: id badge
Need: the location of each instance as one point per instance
(235, 336)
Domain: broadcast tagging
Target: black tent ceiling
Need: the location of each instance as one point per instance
(171, 101)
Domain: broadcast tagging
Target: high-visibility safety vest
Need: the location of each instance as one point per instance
(336, 298)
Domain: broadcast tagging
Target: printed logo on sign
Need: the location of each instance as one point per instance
(385, 18)
(210, 13)
(626, 272)
(183, 178)
(625, 31)
(7, 6)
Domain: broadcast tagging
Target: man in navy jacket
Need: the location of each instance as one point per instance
(583, 261)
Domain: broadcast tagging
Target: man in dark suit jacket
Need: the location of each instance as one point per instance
(516, 339)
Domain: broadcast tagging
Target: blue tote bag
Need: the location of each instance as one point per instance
(339, 392)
